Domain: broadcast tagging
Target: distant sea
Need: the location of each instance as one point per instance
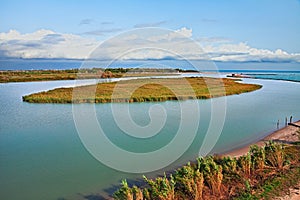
(258, 70)
(287, 75)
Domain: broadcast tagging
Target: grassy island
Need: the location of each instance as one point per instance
(144, 90)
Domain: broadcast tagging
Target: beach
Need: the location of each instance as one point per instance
(285, 135)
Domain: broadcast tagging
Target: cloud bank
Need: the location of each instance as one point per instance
(45, 44)
(50, 44)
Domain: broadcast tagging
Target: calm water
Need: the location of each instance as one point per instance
(42, 157)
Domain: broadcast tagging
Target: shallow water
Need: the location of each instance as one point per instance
(42, 156)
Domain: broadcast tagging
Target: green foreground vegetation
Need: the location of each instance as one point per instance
(143, 90)
(263, 173)
(72, 74)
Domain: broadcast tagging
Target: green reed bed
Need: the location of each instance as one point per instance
(144, 90)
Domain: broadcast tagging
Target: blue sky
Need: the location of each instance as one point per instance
(260, 24)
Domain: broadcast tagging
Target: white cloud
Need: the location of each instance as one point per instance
(45, 44)
(182, 33)
(243, 52)
(185, 32)
(139, 44)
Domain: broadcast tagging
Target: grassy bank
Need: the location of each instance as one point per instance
(52, 75)
(72, 74)
(141, 90)
(263, 173)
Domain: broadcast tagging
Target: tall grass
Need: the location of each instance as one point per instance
(214, 177)
(244, 163)
(125, 192)
(161, 188)
(147, 90)
(258, 157)
(275, 155)
(212, 173)
(189, 183)
(71, 74)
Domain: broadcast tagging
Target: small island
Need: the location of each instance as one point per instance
(145, 90)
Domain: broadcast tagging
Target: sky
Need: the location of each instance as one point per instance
(235, 30)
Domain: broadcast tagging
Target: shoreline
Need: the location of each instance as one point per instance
(284, 135)
(12, 76)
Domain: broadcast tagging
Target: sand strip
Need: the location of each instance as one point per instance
(284, 135)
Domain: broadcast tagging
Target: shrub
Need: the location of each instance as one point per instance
(212, 173)
(189, 182)
(161, 188)
(244, 163)
(258, 157)
(124, 193)
(275, 155)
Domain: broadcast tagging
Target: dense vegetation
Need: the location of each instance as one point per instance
(71, 74)
(262, 173)
(51, 75)
(144, 90)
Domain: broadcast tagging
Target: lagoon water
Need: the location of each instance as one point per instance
(42, 156)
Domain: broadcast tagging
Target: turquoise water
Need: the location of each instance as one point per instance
(272, 75)
(42, 156)
(288, 76)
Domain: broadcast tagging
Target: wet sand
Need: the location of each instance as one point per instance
(284, 135)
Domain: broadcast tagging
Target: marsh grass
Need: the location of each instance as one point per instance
(216, 177)
(72, 74)
(40, 75)
(144, 90)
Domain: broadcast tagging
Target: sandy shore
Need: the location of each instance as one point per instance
(284, 135)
